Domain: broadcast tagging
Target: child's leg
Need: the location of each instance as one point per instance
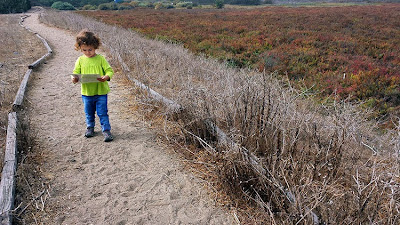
(102, 112)
(89, 103)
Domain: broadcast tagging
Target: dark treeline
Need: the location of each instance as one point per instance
(330, 1)
(14, 6)
(234, 2)
(76, 3)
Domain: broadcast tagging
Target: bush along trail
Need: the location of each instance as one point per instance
(74, 180)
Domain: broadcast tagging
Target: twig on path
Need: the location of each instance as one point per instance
(29, 186)
(165, 130)
(236, 218)
(16, 208)
(30, 203)
(34, 217)
(48, 191)
(371, 148)
(148, 104)
(198, 162)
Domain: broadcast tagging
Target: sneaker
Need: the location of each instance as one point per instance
(107, 136)
(89, 132)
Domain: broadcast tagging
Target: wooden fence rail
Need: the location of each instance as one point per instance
(21, 91)
(7, 184)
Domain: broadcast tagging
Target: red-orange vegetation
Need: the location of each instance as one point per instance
(346, 50)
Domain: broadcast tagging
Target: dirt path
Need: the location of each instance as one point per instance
(131, 180)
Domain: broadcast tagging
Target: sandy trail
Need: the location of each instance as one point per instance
(131, 180)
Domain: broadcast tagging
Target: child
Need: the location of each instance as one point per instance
(94, 95)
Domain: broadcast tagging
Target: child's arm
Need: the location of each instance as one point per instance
(109, 72)
(77, 70)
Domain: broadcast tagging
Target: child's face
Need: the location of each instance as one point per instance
(88, 50)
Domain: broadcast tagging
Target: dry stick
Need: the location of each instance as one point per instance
(30, 188)
(222, 137)
(236, 218)
(369, 147)
(27, 183)
(203, 143)
(34, 217)
(313, 215)
(263, 204)
(30, 203)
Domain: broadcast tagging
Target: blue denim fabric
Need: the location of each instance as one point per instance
(96, 103)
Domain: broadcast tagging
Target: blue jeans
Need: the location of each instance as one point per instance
(96, 103)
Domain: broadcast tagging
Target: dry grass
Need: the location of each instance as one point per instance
(295, 162)
(19, 48)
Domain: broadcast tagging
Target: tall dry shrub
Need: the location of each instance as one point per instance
(301, 162)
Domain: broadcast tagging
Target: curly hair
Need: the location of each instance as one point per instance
(85, 37)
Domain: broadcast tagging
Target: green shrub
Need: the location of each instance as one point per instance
(159, 5)
(89, 7)
(146, 4)
(127, 5)
(108, 6)
(150, 5)
(43, 2)
(103, 6)
(245, 2)
(184, 4)
(134, 4)
(113, 5)
(62, 6)
(219, 4)
(124, 7)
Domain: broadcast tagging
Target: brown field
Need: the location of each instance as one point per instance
(347, 52)
(19, 48)
(296, 162)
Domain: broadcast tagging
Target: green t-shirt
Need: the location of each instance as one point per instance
(94, 65)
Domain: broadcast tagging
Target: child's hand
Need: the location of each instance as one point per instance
(74, 79)
(104, 78)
